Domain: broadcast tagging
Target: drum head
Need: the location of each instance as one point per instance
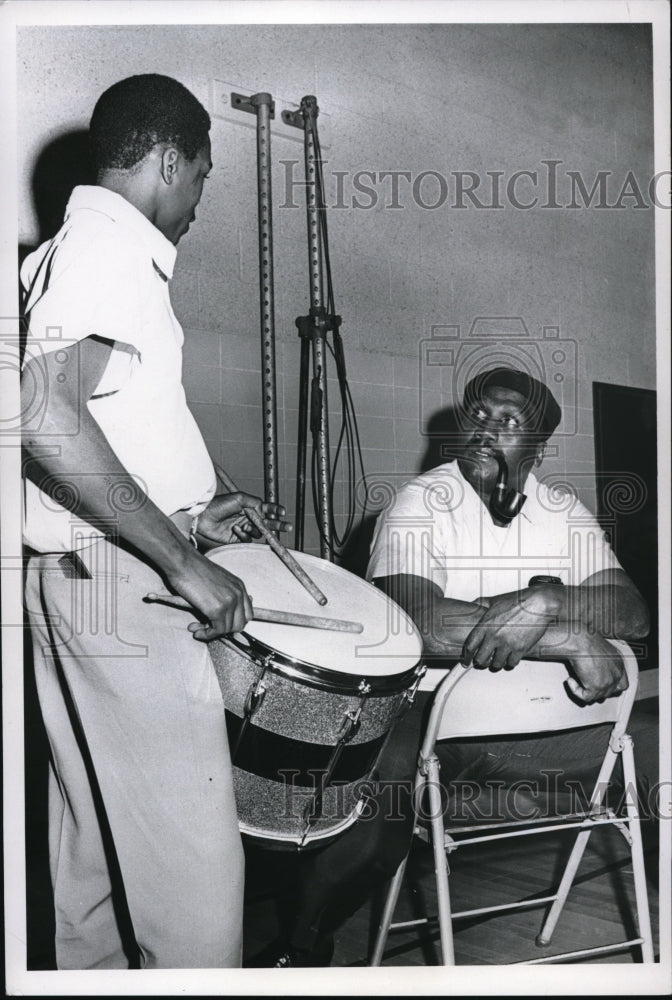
(389, 643)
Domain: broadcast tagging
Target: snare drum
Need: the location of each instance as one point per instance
(308, 710)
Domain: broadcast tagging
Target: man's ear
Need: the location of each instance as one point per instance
(541, 451)
(169, 160)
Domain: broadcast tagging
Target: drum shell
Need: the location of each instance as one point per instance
(299, 723)
(299, 736)
(295, 708)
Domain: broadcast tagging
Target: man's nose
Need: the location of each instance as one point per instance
(486, 434)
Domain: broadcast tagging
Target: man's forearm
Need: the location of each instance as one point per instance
(612, 609)
(445, 625)
(451, 622)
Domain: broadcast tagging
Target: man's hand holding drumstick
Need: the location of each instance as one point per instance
(241, 516)
(226, 519)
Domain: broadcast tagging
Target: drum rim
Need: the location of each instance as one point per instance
(301, 842)
(323, 678)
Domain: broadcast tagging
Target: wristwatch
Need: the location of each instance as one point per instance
(536, 580)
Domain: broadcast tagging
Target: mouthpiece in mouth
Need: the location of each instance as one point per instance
(505, 503)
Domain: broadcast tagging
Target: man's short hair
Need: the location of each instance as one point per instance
(135, 114)
(541, 409)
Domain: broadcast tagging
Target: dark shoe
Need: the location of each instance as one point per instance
(275, 956)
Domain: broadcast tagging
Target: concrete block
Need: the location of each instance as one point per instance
(227, 306)
(241, 387)
(201, 347)
(241, 423)
(378, 460)
(201, 383)
(372, 367)
(184, 296)
(408, 436)
(241, 352)
(375, 432)
(241, 459)
(407, 402)
(371, 400)
(407, 463)
(209, 419)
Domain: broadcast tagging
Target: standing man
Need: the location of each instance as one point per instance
(145, 854)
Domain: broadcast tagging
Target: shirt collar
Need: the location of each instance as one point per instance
(116, 207)
(530, 509)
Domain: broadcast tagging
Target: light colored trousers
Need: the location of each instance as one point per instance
(136, 726)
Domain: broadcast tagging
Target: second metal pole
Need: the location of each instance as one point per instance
(310, 112)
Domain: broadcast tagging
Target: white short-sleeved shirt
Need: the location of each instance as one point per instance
(438, 528)
(106, 273)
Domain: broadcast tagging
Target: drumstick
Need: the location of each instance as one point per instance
(281, 552)
(271, 615)
(309, 621)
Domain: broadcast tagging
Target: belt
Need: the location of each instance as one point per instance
(73, 567)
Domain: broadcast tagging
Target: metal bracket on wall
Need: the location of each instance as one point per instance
(293, 118)
(241, 103)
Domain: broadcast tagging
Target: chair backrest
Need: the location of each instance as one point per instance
(530, 698)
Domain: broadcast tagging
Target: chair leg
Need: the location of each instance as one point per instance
(546, 933)
(388, 913)
(637, 851)
(440, 861)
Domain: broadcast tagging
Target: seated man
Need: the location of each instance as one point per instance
(460, 548)
(495, 567)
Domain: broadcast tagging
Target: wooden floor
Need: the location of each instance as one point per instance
(598, 911)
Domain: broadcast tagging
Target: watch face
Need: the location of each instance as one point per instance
(534, 580)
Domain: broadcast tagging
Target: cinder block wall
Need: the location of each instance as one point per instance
(417, 287)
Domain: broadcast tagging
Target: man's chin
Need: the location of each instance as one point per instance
(477, 470)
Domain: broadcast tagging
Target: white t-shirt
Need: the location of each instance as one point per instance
(438, 528)
(106, 273)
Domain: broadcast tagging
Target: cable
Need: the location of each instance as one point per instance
(349, 442)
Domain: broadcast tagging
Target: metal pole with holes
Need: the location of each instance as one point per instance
(263, 107)
(315, 328)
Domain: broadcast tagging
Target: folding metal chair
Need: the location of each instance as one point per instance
(531, 698)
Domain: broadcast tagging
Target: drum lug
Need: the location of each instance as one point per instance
(257, 690)
(351, 719)
(253, 700)
(411, 692)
